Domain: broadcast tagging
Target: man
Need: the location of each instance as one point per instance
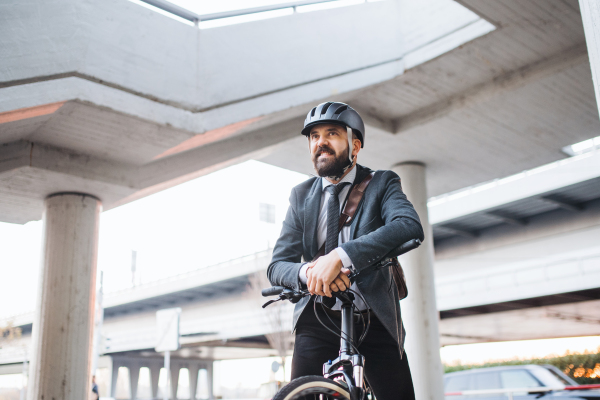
(95, 392)
(383, 220)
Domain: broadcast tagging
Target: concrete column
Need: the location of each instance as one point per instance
(193, 371)
(209, 380)
(590, 15)
(174, 379)
(113, 379)
(154, 374)
(63, 326)
(419, 310)
(134, 379)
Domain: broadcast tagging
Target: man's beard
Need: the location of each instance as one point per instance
(330, 167)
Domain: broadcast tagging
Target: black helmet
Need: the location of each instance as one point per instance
(335, 113)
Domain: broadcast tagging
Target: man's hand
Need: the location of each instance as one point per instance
(325, 276)
(341, 282)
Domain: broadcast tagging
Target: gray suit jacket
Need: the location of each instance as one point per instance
(384, 219)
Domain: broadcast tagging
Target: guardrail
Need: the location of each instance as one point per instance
(510, 392)
(196, 18)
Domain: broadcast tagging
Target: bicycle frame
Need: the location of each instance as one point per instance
(349, 365)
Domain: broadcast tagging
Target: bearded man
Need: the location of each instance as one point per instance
(384, 219)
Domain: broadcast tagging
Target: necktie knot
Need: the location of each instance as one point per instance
(336, 189)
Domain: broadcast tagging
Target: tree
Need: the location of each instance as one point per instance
(9, 333)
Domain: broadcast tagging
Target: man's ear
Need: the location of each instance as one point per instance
(355, 146)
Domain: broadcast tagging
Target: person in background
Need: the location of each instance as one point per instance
(95, 393)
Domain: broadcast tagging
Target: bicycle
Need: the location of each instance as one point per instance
(343, 378)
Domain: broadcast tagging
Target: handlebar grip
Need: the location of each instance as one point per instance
(404, 248)
(272, 291)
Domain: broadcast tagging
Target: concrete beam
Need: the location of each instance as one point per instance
(459, 232)
(534, 183)
(505, 218)
(562, 203)
(499, 85)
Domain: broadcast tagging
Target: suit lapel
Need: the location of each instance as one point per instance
(361, 173)
(312, 205)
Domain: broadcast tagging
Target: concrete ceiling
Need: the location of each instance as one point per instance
(502, 103)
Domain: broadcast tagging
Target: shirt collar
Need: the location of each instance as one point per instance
(348, 178)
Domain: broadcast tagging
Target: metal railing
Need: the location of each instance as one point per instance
(511, 392)
(196, 18)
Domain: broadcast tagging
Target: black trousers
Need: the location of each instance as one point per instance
(388, 374)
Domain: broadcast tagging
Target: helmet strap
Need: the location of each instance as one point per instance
(350, 144)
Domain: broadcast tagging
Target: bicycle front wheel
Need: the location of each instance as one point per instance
(310, 387)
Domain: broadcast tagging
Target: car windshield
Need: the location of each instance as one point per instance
(559, 377)
(518, 378)
(458, 383)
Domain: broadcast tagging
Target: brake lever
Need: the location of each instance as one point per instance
(268, 303)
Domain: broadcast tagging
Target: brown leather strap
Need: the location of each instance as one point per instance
(354, 199)
(350, 207)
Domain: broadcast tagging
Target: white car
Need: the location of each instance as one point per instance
(495, 383)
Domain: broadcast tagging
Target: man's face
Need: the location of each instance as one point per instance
(328, 145)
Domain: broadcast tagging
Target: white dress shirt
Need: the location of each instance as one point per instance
(343, 237)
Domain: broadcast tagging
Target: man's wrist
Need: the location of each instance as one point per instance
(343, 256)
(302, 273)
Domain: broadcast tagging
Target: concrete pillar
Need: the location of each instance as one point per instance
(209, 380)
(174, 379)
(193, 371)
(419, 310)
(590, 15)
(63, 326)
(134, 379)
(154, 374)
(113, 379)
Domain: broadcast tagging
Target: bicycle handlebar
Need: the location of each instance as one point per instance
(272, 291)
(403, 248)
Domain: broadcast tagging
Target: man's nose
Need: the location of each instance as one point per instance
(321, 141)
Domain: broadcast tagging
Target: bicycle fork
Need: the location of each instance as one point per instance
(348, 358)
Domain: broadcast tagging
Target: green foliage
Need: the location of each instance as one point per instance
(8, 333)
(583, 368)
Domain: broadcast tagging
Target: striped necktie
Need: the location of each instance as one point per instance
(333, 216)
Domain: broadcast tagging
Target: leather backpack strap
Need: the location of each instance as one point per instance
(347, 215)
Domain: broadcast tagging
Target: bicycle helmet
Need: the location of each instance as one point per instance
(336, 113)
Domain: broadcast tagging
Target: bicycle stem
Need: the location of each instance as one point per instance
(347, 329)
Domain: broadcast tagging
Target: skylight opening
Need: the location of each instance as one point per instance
(163, 12)
(328, 5)
(245, 18)
(231, 12)
(582, 147)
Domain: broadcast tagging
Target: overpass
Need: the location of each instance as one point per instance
(513, 278)
(118, 102)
